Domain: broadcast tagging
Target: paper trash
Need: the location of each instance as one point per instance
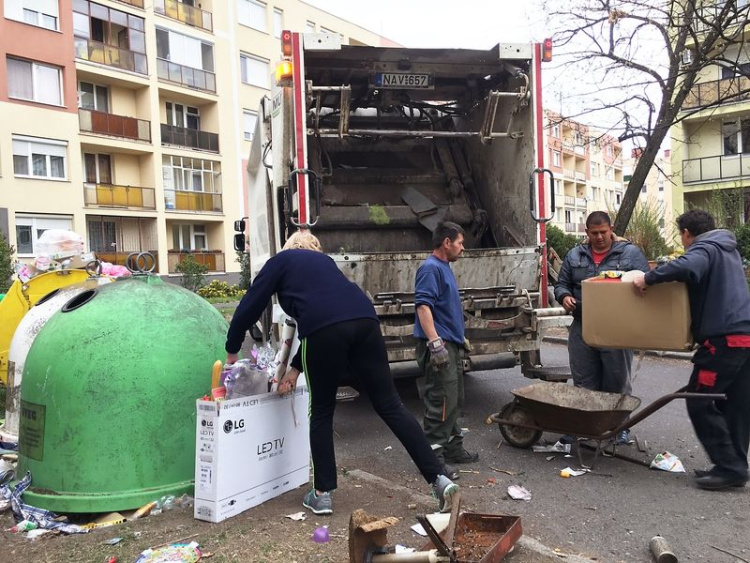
(668, 462)
(557, 447)
(517, 492)
(570, 472)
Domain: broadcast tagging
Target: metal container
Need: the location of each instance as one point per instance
(108, 398)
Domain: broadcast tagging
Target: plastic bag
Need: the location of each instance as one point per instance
(245, 379)
(59, 243)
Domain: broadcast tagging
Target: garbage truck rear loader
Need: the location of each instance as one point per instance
(371, 147)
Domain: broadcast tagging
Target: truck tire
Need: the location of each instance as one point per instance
(517, 436)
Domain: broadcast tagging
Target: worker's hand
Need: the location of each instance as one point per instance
(569, 303)
(288, 383)
(467, 345)
(439, 356)
(639, 284)
(231, 359)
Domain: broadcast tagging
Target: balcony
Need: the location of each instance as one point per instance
(214, 259)
(580, 202)
(136, 3)
(186, 76)
(184, 13)
(109, 55)
(726, 90)
(570, 200)
(121, 258)
(110, 195)
(715, 168)
(92, 121)
(575, 228)
(190, 138)
(181, 200)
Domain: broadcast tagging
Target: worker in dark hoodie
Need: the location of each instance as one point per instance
(598, 369)
(720, 311)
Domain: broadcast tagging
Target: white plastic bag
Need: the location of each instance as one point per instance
(59, 243)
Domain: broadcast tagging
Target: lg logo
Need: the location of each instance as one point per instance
(230, 425)
(208, 423)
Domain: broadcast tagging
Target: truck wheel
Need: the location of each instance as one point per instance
(517, 436)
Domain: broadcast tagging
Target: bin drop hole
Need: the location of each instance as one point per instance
(47, 297)
(79, 300)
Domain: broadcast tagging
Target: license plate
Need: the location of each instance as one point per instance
(403, 80)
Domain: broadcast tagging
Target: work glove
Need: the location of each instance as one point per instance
(439, 356)
(467, 346)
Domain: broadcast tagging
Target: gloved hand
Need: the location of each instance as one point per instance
(439, 356)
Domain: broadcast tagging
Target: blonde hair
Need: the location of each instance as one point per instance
(304, 240)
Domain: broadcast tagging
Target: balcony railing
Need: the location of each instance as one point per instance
(110, 195)
(722, 167)
(186, 76)
(580, 202)
(184, 13)
(92, 121)
(180, 200)
(120, 258)
(136, 3)
(575, 228)
(191, 138)
(214, 259)
(570, 200)
(726, 90)
(110, 55)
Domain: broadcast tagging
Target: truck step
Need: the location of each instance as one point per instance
(548, 373)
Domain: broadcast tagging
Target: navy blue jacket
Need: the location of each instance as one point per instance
(719, 299)
(579, 265)
(311, 289)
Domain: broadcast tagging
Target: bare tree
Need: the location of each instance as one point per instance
(643, 60)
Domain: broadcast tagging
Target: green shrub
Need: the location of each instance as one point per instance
(6, 264)
(644, 231)
(560, 241)
(221, 290)
(743, 240)
(193, 273)
(243, 259)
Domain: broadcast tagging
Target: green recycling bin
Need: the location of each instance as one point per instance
(108, 397)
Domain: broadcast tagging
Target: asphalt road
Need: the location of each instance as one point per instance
(610, 515)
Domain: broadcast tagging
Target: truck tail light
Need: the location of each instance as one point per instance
(547, 50)
(286, 44)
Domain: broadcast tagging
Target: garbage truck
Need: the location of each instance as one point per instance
(371, 147)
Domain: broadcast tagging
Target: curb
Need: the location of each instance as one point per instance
(524, 542)
(657, 353)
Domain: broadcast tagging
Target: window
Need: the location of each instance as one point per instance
(183, 116)
(736, 136)
(184, 50)
(556, 158)
(41, 13)
(594, 170)
(609, 173)
(618, 198)
(102, 235)
(310, 27)
(189, 237)
(35, 82)
(579, 139)
(278, 23)
(254, 71)
(191, 175)
(97, 168)
(250, 118)
(30, 227)
(610, 150)
(253, 14)
(556, 131)
(93, 96)
(39, 158)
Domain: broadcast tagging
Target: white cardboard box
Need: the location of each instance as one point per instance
(249, 450)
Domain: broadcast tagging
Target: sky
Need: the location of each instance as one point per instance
(469, 24)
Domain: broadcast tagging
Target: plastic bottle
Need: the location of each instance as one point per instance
(145, 510)
(185, 501)
(24, 526)
(167, 502)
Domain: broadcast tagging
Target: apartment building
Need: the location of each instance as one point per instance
(587, 166)
(711, 142)
(128, 121)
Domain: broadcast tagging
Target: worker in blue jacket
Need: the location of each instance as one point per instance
(720, 312)
(598, 369)
(339, 334)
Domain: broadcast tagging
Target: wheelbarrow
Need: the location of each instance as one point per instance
(565, 409)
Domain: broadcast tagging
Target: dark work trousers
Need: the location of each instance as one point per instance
(598, 369)
(722, 365)
(357, 348)
(443, 400)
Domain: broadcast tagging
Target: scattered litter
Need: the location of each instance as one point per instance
(469, 471)
(297, 516)
(113, 541)
(111, 519)
(511, 473)
(438, 520)
(34, 534)
(112, 559)
(491, 481)
(550, 457)
(403, 549)
(411, 506)
(668, 462)
(24, 526)
(557, 447)
(185, 553)
(570, 472)
(387, 448)
(517, 492)
(320, 535)
(4, 505)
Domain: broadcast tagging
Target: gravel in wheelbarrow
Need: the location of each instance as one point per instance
(558, 407)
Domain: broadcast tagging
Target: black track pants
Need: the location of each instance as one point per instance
(357, 348)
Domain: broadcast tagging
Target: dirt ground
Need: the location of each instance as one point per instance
(260, 535)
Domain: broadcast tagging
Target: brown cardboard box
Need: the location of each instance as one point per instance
(614, 317)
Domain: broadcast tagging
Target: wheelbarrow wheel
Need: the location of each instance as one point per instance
(518, 436)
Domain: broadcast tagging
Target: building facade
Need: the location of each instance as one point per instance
(129, 122)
